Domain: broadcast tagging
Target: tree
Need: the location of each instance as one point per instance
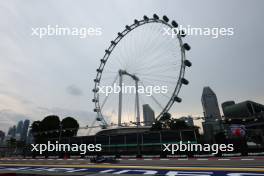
(51, 122)
(52, 127)
(165, 117)
(47, 128)
(156, 126)
(2, 136)
(177, 124)
(35, 129)
(69, 126)
(12, 142)
(167, 122)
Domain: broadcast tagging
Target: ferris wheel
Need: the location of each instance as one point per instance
(146, 56)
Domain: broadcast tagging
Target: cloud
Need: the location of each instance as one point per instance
(10, 118)
(15, 96)
(62, 112)
(40, 72)
(74, 90)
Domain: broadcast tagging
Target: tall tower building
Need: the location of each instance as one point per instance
(2, 137)
(148, 115)
(210, 104)
(25, 130)
(19, 127)
(12, 131)
(212, 123)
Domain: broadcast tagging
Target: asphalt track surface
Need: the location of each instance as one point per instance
(181, 166)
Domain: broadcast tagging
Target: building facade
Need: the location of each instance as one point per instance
(212, 118)
(148, 115)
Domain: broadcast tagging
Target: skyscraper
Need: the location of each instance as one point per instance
(25, 130)
(148, 115)
(212, 118)
(210, 104)
(2, 137)
(12, 131)
(30, 138)
(19, 127)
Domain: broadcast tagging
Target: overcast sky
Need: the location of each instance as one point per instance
(55, 75)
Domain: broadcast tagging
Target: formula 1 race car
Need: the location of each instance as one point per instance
(103, 159)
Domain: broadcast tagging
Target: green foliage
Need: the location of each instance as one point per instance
(35, 127)
(176, 124)
(165, 117)
(51, 122)
(12, 142)
(69, 126)
(169, 123)
(52, 127)
(156, 126)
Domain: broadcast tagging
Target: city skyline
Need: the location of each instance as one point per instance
(55, 75)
